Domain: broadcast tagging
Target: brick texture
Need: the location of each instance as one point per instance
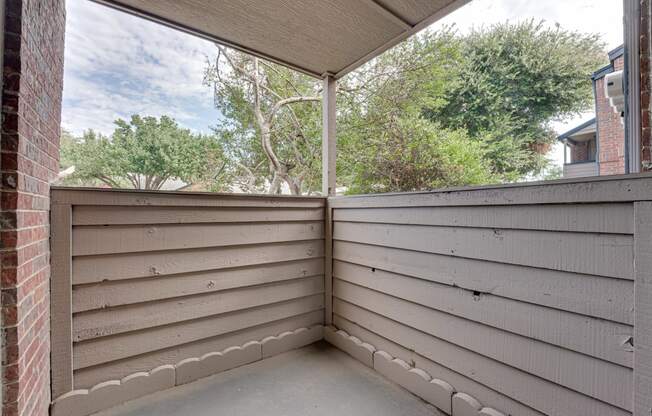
(646, 85)
(580, 152)
(611, 132)
(29, 150)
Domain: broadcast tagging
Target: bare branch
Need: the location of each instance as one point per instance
(287, 101)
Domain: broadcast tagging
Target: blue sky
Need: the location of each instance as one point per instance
(117, 65)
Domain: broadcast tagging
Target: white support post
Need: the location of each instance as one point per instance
(329, 147)
(329, 139)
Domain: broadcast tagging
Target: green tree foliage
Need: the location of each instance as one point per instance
(271, 131)
(385, 143)
(440, 109)
(143, 153)
(415, 154)
(512, 80)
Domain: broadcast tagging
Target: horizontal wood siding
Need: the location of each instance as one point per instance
(527, 306)
(160, 277)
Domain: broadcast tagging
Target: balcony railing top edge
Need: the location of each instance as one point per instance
(616, 188)
(103, 196)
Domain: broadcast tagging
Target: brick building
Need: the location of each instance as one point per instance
(32, 81)
(597, 147)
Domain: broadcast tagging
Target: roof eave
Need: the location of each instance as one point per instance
(409, 31)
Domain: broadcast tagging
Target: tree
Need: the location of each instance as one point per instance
(143, 154)
(512, 80)
(386, 144)
(271, 127)
(482, 102)
(416, 154)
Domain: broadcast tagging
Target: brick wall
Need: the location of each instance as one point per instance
(611, 131)
(29, 148)
(582, 151)
(646, 85)
(579, 152)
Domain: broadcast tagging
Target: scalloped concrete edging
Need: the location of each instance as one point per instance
(434, 391)
(111, 393)
(291, 340)
(351, 345)
(192, 369)
(437, 392)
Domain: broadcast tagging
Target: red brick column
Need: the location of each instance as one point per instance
(646, 86)
(29, 148)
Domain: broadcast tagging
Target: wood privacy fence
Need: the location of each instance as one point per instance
(144, 279)
(523, 297)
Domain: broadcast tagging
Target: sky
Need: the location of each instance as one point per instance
(117, 65)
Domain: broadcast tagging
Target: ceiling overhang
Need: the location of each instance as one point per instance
(316, 37)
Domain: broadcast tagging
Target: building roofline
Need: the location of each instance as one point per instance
(600, 73)
(608, 69)
(576, 129)
(616, 52)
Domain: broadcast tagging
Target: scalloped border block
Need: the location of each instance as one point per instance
(111, 393)
(357, 349)
(291, 340)
(488, 411)
(465, 405)
(192, 369)
(436, 392)
(417, 381)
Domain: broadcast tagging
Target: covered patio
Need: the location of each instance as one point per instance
(521, 299)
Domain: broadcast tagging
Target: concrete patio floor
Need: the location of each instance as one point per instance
(313, 381)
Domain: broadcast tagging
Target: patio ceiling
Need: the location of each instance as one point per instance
(316, 37)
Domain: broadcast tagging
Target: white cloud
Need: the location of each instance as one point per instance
(117, 65)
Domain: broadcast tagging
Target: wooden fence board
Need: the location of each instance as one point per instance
(115, 370)
(125, 292)
(542, 395)
(134, 197)
(131, 239)
(623, 188)
(93, 269)
(643, 308)
(555, 364)
(103, 350)
(61, 301)
(595, 218)
(125, 215)
(459, 382)
(606, 298)
(106, 322)
(598, 254)
(591, 336)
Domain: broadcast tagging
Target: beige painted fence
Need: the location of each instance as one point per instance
(532, 300)
(143, 279)
(521, 296)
